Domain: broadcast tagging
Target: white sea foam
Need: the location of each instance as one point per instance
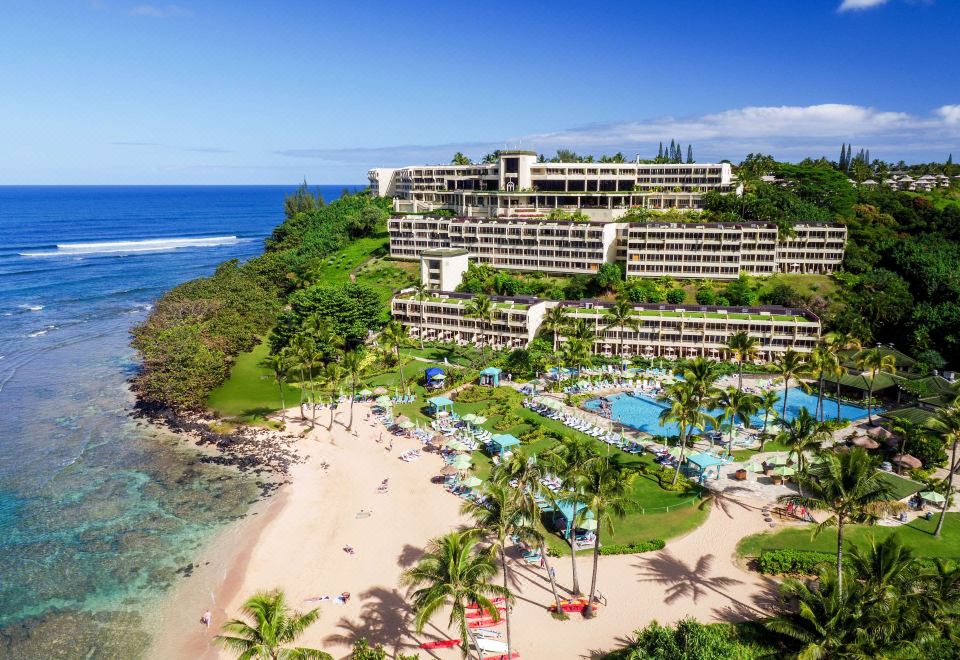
(31, 308)
(128, 247)
(38, 333)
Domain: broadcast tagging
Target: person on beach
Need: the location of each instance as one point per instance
(206, 618)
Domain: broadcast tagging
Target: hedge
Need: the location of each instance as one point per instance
(806, 562)
(618, 549)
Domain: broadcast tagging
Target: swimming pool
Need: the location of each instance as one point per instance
(642, 413)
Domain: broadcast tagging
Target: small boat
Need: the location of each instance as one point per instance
(483, 623)
(441, 644)
(499, 600)
(482, 614)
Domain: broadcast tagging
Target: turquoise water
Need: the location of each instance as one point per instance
(99, 514)
(643, 413)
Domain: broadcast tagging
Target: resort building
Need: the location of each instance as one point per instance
(660, 331)
(517, 185)
(443, 316)
(649, 249)
(678, 331)
(724, 250)
(442, 269)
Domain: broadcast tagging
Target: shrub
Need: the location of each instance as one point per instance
(675, 296)
(632, 549)
(805, 562)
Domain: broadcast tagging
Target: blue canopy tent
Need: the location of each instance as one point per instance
(503, 442)
(490, 376)
(566, 511)
(439, 404)
(434, 377)
(704, 462)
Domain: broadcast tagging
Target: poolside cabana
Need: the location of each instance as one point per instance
(503, 442)
(566, 511)
(440, 405)
(704, 462)
(490, 376)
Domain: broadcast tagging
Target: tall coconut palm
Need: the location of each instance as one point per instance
(947, 424)
(299, 351)
(620, 315)
(608, 487)
(353, 368)
(736, 403)
(790, 365)
(315, 360)
(420, 294)
(575, 352)
(907, 431)
(331, 377)
(555, 320)
(480, 307)
(837, 343)
(499, 517)
(394, 337)
(702, 374)
(742, 346)
(279, 366)
(874, 361)
(768, 403)
(846, 484)
(684, 410)
(803, 433)
(453, 573)
(583, 330)
(569, 460)
(527, 474)
(269, 630)
(823, 363)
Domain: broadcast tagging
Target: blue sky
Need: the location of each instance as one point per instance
(218, 91)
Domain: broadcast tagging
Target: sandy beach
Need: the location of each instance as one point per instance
(296, 542)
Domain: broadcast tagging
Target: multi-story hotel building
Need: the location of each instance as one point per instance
(517, 185)
(649, 249)
(443, 316)
(661, 331)
(724, 250)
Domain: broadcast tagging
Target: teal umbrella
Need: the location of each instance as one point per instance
(784, 471)
(462, 462)
(469, 417)
(753, 467)
(932, 496)
(472, 482)
(479, 419)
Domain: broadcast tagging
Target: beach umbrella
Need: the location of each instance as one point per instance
(380, 390)
(364, 392)
(675, 451)
(469, 417)
(383, 401)
(472, 482)
(753, 467)
(462, 462)
(777, 460)
(455, 445)
(406, 424)
(931, 496)
(448, 470)
(479, 419)
(784, 471)
(589, 524)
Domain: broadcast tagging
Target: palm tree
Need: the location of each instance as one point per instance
(737, 403)
(684, 411)
(947, 424)
(554, 321)
(789, 366)
(620, 315)
(278, 365)
(394, 337)
(569, 460)
(875, 361)
(480, 307)
(332, 377)
(768, 403)
(702, 374)
(420, 294)
(500, 517)
(802, 433)
(299, 351)
(582, 330)
(743, 347)
(272, 627)
(906, 431)
(454, 573)
(527, 473)
(836, 343)
(888, 568)
(608, 487)
(575, 352)
(823, 363)
(848, 485)
(353, 368)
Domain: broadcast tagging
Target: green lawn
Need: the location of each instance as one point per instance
(918, 535)
(437, 353)
(383, 274)
(250, 393)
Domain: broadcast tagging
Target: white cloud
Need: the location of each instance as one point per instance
(787, 132)
(160, 11)
(848, 5)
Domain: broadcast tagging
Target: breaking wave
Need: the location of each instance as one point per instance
(128, 247)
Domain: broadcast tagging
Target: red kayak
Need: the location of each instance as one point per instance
(499, 600)
(483, 623)
(441, 644)
(483, 613)
(502, 656)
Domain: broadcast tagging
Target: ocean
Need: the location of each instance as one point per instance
(100, 514)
